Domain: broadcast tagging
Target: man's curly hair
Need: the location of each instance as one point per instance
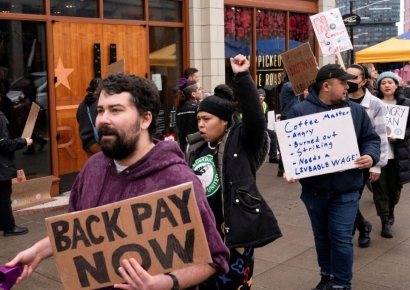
(144, 94)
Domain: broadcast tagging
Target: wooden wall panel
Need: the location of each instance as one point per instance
(131, 45)
(74, 44)
(71, 155)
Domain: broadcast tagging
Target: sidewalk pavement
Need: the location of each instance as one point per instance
(288, 263)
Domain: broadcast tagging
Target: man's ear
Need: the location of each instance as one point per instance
(325, 86)
(146, 120)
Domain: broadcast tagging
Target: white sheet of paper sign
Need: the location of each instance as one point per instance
(271, 120)
(396, 120)
(317, 144)
(331, 32)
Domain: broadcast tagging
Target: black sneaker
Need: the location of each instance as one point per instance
(326, 282)
(364, 233)
(386, 230)
(280, 172)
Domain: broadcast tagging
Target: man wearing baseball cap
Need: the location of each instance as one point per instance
(332, 199)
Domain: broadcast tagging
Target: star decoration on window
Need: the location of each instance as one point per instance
(62, 74)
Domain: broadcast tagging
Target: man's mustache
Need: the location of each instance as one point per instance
(105, 130)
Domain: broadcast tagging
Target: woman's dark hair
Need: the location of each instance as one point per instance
(185, 92)
(144, 94)
(365, 75)
(397, 93)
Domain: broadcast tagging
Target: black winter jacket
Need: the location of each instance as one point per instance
(84, 125)
(7, 147)
(248, 220)
(401, 147)
(368, 142)
(186, 121)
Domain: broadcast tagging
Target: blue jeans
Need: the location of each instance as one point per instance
(332, 216)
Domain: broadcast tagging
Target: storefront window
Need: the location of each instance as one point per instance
(76, 8)
(165, 58)
(238, 36)
(300, 30)
(23, 80)
(22, 6)
(270, 43)
(125, 9)
(165, 10)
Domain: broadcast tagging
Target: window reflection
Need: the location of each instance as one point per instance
(124, 9)
(166, 60)
(76, 8)
(165, 10)
(22, 6)
(238, 36)
(270, 43)
(300, 30)
(23, 80)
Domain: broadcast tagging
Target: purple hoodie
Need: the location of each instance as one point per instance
(98, 183)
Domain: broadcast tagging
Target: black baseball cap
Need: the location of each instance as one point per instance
(333, 71)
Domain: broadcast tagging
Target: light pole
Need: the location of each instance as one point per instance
(351, 27)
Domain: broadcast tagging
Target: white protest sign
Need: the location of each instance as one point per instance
(271, 120)
(331, 32)
(396, 120)
(318, 144)
(156, 78)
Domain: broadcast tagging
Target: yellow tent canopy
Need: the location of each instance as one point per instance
(392, 50)
(164, 57)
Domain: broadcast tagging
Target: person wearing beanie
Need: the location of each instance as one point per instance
(273, 150)
(387, 189)
(86, 115)
(225, 154)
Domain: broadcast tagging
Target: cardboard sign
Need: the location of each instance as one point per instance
(271, 120)
(20, 176)
(31, 121)
(396, 120)
(163, 231)
(331, 32)
(31, 192)
(301, 67)
(116, 67)
(318, 144)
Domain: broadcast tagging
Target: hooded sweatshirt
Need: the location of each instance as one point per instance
(98, 183)
(85, 127)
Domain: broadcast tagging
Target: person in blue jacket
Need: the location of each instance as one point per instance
(332, 199)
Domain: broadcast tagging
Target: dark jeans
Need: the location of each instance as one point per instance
(273, 150)
(332, 217)
(6, 214)
(359, 217)
(387, 189)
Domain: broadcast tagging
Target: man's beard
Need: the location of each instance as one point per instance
(122, 146)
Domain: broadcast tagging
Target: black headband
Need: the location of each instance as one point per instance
(216, 109)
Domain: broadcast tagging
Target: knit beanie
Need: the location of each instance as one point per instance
(212, 105)
(387, 74)
(262, 92)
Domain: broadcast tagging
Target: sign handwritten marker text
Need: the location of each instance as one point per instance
(318, 144)
(331, 32)
(396, 120)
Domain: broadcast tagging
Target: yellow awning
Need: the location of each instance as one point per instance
(164, 57)
(392, 50)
